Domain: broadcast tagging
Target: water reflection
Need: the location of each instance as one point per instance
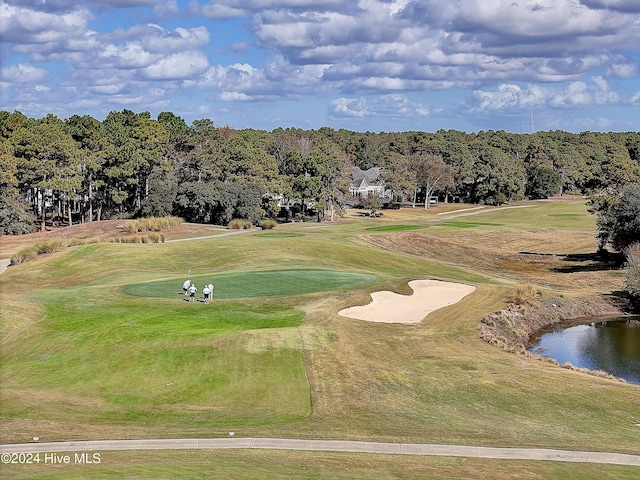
(612, 346)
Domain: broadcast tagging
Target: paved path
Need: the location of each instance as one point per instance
(4, 263)
(328, 446)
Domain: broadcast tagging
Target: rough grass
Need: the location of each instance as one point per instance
(434, 382)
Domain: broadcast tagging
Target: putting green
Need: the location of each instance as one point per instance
(268, 283)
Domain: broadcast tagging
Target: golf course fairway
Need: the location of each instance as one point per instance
(98, 343)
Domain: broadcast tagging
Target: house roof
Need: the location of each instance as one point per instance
(365, 177)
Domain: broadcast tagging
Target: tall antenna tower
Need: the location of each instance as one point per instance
(533, 130)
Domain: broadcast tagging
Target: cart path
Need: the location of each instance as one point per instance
(352, 446)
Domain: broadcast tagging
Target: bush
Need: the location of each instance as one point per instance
(526, 295)
(156, 237)
(239, 223)
(128, 239)
(268, 224)
(152, 224)
(632, 280)
(39, 248)
(24, 255)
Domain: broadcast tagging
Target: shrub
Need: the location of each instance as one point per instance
(39, 248)
(51, 246)
(156, 237)
(128, 239)
(632, 280)
(152, 224)
(24, 255)
(268, 224)
(239, 223)
(526, 295)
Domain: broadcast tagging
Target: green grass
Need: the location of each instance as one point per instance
(278, 235)
(106, 347)
(470, 224)
(567, 215)
(139, 360)
(268, 283)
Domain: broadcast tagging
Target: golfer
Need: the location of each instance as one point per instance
(211, 289)
(192, 292)
(185, 286)
(205, 293)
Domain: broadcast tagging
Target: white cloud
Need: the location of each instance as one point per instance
(130, 55)
(178, 66)
(516, 54)
(234, 97)
(178, 40)
(23, 74)
(510, 98)
(351, 107)
(622, 5)
(390, 106)
(25, 25)
(622, 70)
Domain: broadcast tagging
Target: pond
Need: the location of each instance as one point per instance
(611, 345)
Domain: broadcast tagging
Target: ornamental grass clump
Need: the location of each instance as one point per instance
(39, 248)
(154, 237)
(268, 224)
(526, 295)
(239, 223)
(152, 224)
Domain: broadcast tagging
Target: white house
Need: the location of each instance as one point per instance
(366, 182)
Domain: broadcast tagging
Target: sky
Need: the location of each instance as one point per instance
(361, 65)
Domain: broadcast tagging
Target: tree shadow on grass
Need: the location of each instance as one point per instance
(584, 262)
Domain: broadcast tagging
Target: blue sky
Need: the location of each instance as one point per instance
(364, 65)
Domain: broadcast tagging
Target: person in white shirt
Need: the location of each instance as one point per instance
(192, 292)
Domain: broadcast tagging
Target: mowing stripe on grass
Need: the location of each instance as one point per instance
(396, 228)
(278, 234)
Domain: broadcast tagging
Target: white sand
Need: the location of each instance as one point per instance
(428, 295)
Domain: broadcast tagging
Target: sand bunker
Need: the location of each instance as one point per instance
(428, 295)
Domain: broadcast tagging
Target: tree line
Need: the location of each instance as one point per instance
(81, 169)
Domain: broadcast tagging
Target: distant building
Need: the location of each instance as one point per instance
(367, 182)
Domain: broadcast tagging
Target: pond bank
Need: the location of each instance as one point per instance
(512, 328)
